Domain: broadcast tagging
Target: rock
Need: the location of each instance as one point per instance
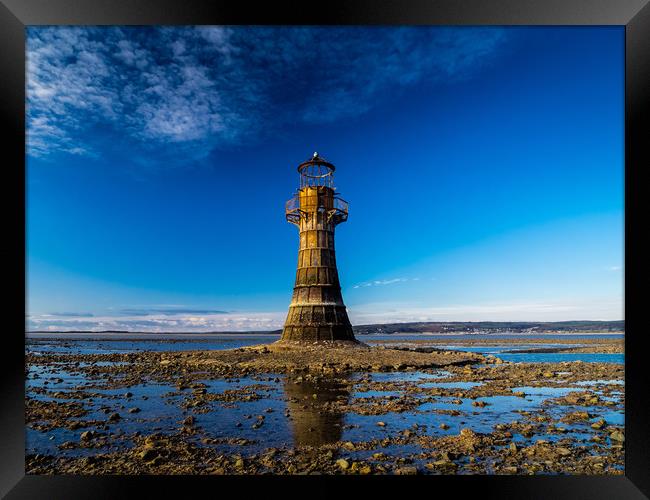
(343, 463)
(114, 417)
(148, 454)
(509, 470)
(579, 415)
(128, 395)
(189, 420)
(152, 440)
(134, 410)
(513, 447)
(598, 424)
(381, 424)
(87, 435)
(480, 404)
(617, 436)
(444, 426)
(519, 394)
(444, 463)
(366, 469)
(406, 471)
(467, 433)
(528, 431)
(349, 445)
(563, 452)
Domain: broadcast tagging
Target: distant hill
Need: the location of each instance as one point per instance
(493, 327)
(440, 328)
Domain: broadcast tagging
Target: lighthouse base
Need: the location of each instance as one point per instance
(305, 333)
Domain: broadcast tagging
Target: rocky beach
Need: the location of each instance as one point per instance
(388, 405)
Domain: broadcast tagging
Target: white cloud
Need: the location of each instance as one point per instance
(206, 86)
(160, 322)
(176, 320)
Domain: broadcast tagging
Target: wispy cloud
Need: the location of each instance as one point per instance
(384, 282)
(71, 314)
(168, 311)
(202, 87)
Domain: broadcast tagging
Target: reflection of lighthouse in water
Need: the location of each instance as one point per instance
(313, 420)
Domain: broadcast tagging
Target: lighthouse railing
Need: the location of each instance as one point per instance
(338, 209)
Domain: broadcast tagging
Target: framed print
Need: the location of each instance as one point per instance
(379, 240)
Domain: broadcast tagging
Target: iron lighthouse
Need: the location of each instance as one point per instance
(317, 311)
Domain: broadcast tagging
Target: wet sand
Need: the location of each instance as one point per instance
(405, 407)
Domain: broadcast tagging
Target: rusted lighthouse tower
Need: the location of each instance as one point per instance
(317, 311)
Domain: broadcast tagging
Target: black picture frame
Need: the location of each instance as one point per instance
(16, 14)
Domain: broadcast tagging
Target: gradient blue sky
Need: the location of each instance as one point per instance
(483, 167)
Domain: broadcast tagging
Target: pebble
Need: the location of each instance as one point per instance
(598, 424)
(87, 435)
(617, 436)
(406, 471)
(343, 463)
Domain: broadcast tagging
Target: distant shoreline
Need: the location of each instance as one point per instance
(198, 335)
(575, 327)
(272, 332)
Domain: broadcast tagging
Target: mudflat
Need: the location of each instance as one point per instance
(400, 407)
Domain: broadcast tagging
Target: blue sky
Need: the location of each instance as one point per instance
(483, 167)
